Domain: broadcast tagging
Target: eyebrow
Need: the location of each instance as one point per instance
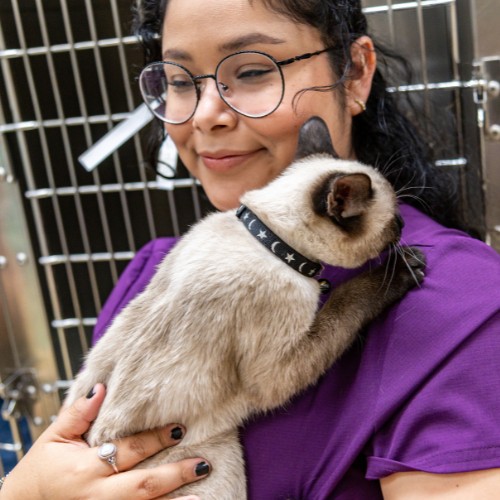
(238, 43)
(249, 39)
(176, 54)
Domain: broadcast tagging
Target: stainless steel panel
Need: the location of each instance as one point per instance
(486, 17)
(26, 350)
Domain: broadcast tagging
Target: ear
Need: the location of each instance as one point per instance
(314, 138)
(358, 86)
(349, 196)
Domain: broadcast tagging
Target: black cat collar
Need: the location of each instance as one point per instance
(276, 245)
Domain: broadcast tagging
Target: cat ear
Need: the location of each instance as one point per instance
(314, 138)
(349, 196)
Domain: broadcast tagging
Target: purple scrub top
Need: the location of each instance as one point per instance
(417, 392)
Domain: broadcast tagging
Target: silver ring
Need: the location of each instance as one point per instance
(107, 452)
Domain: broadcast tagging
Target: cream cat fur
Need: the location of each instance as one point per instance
(226, 329)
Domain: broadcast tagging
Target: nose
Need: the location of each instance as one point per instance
(211, 111)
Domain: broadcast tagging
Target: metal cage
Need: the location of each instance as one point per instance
(68, 77)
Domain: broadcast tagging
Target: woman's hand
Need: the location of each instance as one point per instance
(61, 465)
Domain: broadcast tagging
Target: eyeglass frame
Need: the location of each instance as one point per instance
(195, 78)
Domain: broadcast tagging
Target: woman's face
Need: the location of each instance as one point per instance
(227, 152)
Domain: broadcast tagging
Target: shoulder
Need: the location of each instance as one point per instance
(423, 231)
(133, 280)
(462, 275)
(437, 353)
(458, 298)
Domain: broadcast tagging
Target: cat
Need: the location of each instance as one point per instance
(226, 328)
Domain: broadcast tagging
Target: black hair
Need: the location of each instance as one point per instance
(383, 135)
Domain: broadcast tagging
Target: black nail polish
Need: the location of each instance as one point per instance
(176, 433)
(91, 393)
(202, 469)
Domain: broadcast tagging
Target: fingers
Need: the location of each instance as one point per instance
(144, 484)
(75, 420)
(135, 484)
(134, 449)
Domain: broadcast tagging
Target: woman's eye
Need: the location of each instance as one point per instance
(180, 84)
(253, 73)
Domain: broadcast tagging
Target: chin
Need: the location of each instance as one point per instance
(225, 196)
(224, 203)
(227, 206)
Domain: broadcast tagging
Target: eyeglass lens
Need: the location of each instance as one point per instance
(251, 83)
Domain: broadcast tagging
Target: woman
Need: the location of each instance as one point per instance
(411, 412)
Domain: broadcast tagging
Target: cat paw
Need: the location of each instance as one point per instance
(409, 269)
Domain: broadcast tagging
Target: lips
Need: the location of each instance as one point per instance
(224, 161)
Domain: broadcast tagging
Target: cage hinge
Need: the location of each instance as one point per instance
(19, 393)
(487, 96)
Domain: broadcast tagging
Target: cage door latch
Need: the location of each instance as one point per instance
(487, 96)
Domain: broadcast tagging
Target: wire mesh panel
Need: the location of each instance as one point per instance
(68, 71)
(68, 76)
(429, 35)
(67, 79)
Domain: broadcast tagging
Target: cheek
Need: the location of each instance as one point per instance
(178, 133)
(327, 105)
(181, 135)
(280, 132)
(283, 126)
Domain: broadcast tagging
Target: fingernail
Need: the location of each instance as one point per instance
(202, 469)
(91, 393)
(176, 433)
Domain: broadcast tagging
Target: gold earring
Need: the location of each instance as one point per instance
(361, 104)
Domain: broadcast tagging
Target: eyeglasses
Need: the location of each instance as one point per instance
(249, 82)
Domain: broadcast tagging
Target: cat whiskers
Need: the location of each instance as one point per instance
(417, 185)
(404, 192)
(386, 166)
(390, 268)
(394, 252)
(399, 249)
